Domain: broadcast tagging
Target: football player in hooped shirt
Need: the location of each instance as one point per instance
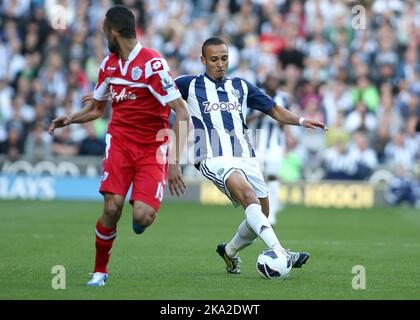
(139, 83)
(218, 106)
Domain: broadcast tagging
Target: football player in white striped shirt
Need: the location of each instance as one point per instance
(223, 153)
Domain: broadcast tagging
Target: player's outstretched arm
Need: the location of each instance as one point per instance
(93, 110)
(283, 115)
(175, 180)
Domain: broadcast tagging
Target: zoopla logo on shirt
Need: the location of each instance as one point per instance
(223, 106)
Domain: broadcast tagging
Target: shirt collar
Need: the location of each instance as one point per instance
(219, 83)
(135, 51)
(130, 58)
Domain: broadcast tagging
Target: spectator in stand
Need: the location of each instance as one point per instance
(292, 163)
(356, 68)
(385, 58)
(397, 152)
(409, 105)
(13, 146)
(91, 145)
(23, 111)
(381, 140)
(244, 22)
(402, 188)
(291, 55)
(38, 144)
(307, 43)
(364, 155)
(360, 119)
(387, 114)
(337, 132)
(336, 100)
(6, 96)
(413, 136)
(409, 66)
(77, 77)
(318, 56)
(312, 109)
(63, 145)
(367, 93)
(339, 163)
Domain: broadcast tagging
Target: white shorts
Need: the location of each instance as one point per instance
(219, 169)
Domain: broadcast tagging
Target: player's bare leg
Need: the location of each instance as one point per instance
(265, 205)
(113, 205)
(143, 216)
(256, 222)
(256, 211)
(106, 232)
(243, 192)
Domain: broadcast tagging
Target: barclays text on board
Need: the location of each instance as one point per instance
(27, 187)
(338, 195)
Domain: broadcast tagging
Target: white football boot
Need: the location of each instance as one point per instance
(98, 279)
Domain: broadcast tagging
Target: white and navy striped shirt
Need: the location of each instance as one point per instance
(218, 111)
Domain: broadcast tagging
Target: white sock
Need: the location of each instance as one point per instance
(273, 198)
(244, 237)
(261, 226)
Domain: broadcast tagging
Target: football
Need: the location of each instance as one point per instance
(274, 264)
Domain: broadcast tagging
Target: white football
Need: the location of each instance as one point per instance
(274, 264)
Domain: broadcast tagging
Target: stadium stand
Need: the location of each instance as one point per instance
(355, 64)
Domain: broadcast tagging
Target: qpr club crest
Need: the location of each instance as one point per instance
(136, 73)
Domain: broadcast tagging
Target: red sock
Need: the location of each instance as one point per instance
(104, 239)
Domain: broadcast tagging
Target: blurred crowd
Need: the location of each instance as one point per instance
(352, 64)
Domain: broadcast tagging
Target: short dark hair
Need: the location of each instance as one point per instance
(119, 18)
(214, 41)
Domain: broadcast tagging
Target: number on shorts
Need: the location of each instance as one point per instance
(159, 192)
(108, 145)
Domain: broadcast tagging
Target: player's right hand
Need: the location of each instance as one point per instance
(59, 123)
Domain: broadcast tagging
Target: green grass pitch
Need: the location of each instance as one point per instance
(176, 258)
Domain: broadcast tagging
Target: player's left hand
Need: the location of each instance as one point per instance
(175, 180)
(312, 124)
